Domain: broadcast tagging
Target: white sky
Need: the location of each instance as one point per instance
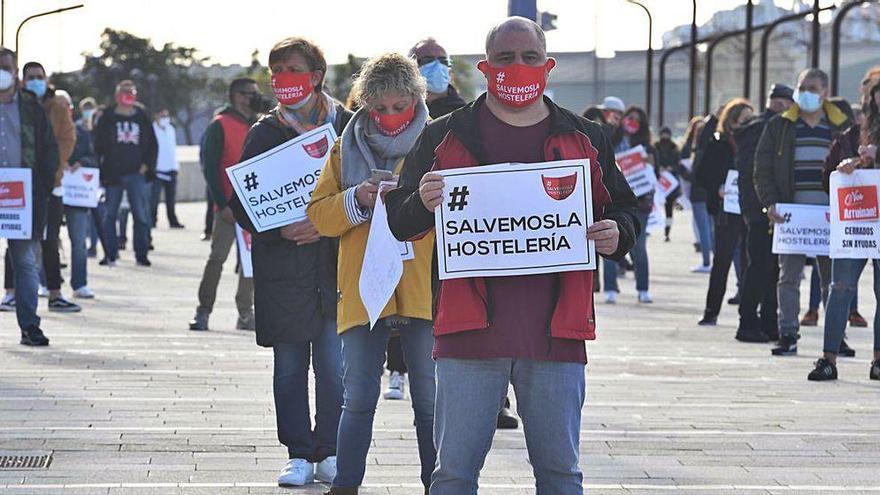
(228, 31)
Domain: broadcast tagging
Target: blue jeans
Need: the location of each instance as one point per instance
(136, 187)
(703, 221)
(639, 255)
(78, 228)
(363, 360)
(845, 275)
(290, 383)
(26, 276)
(549, 399)
(816, 293)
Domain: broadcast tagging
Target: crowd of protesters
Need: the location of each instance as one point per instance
(459, 344)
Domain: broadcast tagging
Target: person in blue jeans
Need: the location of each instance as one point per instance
(391, 96)
(639, 255)
(126, 149)
(529, 331)
(856, 148)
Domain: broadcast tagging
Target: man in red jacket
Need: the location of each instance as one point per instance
(524, 330)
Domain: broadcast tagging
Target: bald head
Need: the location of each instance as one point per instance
(518, 27)
(427, 48)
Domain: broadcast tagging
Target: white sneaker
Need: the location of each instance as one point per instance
(396, 385)
(326, 470)
(84, 293)
(43, 291)
(611, 297)
(702, 269)
(297, 472)
(644, 297)
(8, 303)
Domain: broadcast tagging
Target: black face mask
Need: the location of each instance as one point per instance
(260, 104)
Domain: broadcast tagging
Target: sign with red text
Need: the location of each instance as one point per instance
(82, 188)
(16, 203)
(275, 187)
(515, 219)
(638, 173)
(855, 223)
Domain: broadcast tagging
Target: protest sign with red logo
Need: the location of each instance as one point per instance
(16, 210)
(855, 222)
(805, 229)
(275, 187)
(667, 183)
(538, 225)
(638, 173)
(244, 242)
(82, 187)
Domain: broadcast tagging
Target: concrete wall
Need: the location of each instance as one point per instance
(190, 181)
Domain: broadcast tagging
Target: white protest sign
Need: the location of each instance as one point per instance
(657, 218)
(731, 193)
(16, 203)
(82, 188)
(639, 175)
(382, 267)
(515, 219)
(666, 184)
(275, 187)
(806, 230)
(245, 248)
(406, 248)
(855, 219)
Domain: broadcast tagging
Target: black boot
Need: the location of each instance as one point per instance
(506, 418)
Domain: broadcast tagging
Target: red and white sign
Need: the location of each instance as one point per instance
(82, 188)
(16, 208)
(245, 243)
(855, 223)
(638, 173)
(667, 183)
(559, 188)
(857, 203)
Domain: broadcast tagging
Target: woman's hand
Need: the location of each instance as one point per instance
(868, 152)
(848, 166)
(366, 194)
(431, 190)
(302, 232)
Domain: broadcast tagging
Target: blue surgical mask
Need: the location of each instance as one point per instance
(808, 101)
(437, 75)
(37, 86)
(87, 115)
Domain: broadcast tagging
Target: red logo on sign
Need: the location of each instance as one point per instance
(858, 203)
(12, 194)
(559, 188)
(630, 163)
(247, 239)
(317, 149)
(88, 177)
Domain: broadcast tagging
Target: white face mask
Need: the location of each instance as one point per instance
(164, 121)
(6, 80)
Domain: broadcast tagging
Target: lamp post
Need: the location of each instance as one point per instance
(835, 42)
(649, 68)
(41, 14)
(692, 88)
(747, 60)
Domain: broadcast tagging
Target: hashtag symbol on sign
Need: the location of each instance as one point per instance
(787, 217)
(499, 78)
(458, 198)
(250, 181)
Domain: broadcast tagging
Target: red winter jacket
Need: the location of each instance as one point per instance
(454, 142)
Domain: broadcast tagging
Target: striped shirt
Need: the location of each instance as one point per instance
(810, 149)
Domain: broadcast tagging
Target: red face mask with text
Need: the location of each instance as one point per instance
(291, 88)
(393, 124)
(516, 85)
(631, 125)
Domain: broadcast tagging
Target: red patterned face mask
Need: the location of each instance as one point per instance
(126, 99)
(393, 124)
(631, 125)
(291, 88)
(517, 85)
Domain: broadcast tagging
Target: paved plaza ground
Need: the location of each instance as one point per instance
(130, 402)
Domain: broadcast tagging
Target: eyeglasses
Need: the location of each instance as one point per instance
(428, 59)
(248, 93)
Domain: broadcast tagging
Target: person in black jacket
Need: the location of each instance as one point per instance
(667, 160)
(295, 279)
(711, 173)
(762, 268)
(126, 149)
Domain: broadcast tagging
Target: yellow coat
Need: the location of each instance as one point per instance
(326, 211)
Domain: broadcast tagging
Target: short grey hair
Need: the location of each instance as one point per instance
(388, 72)
(814, 73)
(516, 23)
